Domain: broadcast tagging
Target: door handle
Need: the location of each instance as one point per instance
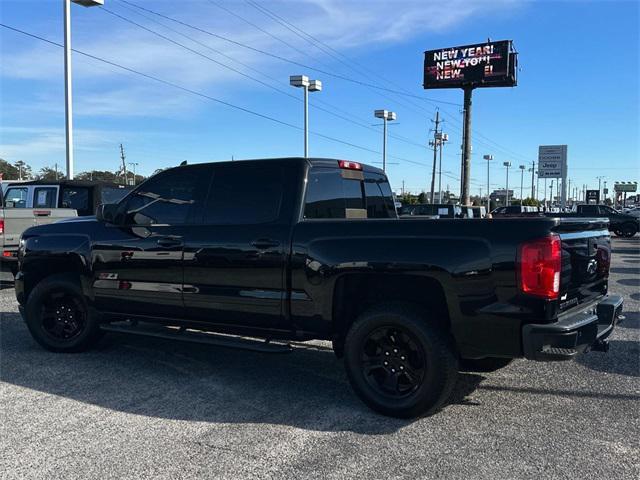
(169, 241)
(264, 243)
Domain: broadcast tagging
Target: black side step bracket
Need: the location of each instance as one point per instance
(194, 336)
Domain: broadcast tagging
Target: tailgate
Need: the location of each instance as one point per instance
(17, 220)
(586, 257)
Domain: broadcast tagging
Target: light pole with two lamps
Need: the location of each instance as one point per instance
(506, 193)
(488, 158)
(386, 116)
(308, 86)
(68, 98)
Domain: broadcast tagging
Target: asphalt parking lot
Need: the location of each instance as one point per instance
(140, 408)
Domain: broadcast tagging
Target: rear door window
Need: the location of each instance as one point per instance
(245, 194)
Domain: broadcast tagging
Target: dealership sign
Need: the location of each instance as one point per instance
(593, 195)
(625, 186)
(490, 64)
(552, 161)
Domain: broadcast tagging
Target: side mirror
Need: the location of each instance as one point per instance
(107, 212)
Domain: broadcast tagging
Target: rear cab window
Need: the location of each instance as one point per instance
(334, 193)
(16, 197)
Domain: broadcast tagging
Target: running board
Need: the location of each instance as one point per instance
(194, 336)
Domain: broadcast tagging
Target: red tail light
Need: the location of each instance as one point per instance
(539, 263)
(1, 227)
(349, 165)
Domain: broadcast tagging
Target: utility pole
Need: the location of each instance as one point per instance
(569, 186)
(434, 144)
(56, 169)
(522, 168)
(599, 186)
(551, 193)
(403, 188)
(124, 164)
(466, 154)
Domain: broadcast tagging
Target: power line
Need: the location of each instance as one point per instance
(279, 90)
(284, 59)
(492, 143)
(199, 94)
(322, 46)
(314, 41)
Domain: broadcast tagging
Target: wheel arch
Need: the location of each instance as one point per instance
(357, 292)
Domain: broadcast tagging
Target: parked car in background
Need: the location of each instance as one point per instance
(622, 224)
(25, 204)
(302, 249)
(634, 212)
(513, 210)
(442, 210)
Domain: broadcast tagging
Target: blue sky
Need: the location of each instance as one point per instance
(578, 84)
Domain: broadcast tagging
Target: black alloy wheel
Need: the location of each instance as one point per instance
(393, 361)
(63, 316)
(58, 316)
(399, 361)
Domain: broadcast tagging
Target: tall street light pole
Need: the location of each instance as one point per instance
(488, 158)
(134, 165)
(302, 81)
(385, 115)
(506, 196)
(532, 170)
(522, 168)
(68, 97)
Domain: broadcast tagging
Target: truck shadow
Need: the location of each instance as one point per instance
(630, 282)
(307, 389)
(624, 361)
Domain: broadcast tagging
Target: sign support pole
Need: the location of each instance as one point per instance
(466, 156)
(565, 167)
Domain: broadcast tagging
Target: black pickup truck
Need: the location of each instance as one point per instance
(295, 249)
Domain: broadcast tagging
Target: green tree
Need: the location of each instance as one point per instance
(532, 202)
(8, 171)
(49, 174)
(422, 198)
(24, 170)
(99, 176)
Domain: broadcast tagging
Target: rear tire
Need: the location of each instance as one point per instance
(398, 363)
(58, 316)
(490, 364)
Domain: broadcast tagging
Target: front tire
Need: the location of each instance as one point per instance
(398, 363)
(58, 316)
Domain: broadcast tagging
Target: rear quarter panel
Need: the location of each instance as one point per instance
(472, 259)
